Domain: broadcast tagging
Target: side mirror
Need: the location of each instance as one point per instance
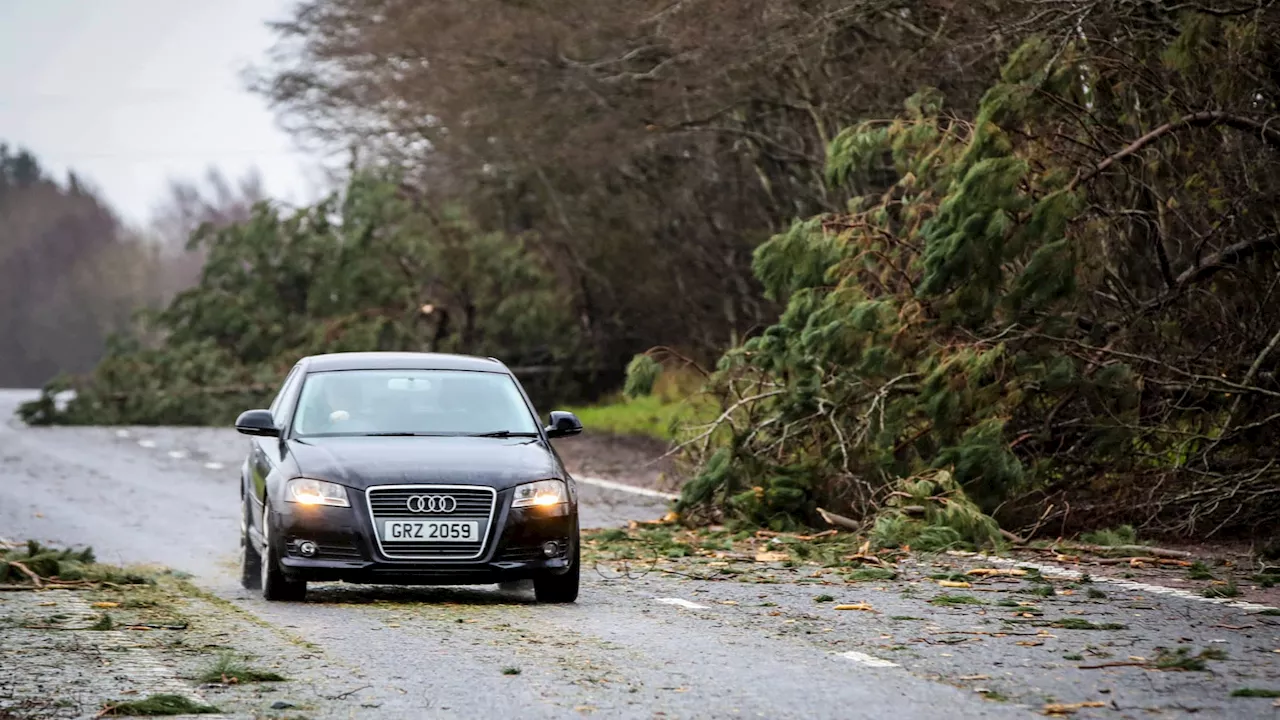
(563, 424)
(257, 422)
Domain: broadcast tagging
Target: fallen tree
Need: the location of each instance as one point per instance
(370, 269)
(1065, 300)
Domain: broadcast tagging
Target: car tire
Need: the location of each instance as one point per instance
(277, 587)
(250, 558)
(561, 588)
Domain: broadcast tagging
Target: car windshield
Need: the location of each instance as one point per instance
(411, 402)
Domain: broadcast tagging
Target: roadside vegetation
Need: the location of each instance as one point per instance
(32, 563)
(952, 276)
(56, 603)
(671, 403)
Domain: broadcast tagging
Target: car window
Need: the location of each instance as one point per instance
(284, 390)
(427, 402)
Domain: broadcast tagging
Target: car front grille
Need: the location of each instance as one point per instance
(392, 502)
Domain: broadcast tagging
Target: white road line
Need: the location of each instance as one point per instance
(147, 443)
(1069, 574)
(868, 660)
(213, 465)
(621, 487)
(122, 433)
(177, 454)
(681, 602)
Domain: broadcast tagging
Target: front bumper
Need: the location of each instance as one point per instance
(347, 550)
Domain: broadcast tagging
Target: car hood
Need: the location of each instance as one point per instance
(360, 462)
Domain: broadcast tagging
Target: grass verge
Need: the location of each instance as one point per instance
(654, 416)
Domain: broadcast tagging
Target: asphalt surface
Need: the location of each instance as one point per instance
(639, 646)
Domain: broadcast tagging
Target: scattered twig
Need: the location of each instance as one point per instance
(349, 693)
(1112, 664)
(990, 633)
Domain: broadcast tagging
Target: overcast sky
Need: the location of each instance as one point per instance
(130, 93)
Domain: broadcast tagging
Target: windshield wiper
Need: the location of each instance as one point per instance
(504, 434)
(399, 434)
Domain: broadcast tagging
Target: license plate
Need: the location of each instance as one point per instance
(430, 531)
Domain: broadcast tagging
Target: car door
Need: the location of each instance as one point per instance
(264, 452)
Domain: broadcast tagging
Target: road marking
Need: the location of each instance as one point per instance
(681, 602)
(177, 454)
(868, 660)
(147, 443)
(1069, 574)
(122, 433)
(213, 465)
(622, 487)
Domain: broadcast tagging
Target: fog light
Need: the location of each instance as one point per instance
(306, 548)
(551, 548)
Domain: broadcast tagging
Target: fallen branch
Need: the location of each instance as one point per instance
(1112, 664)
(35, 579)
(839, 520)
(1011, 537)
(1138, 560)
(1131, 549)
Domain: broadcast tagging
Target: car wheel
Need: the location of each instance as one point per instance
(275, 585)
(250, 558)
(559, 588)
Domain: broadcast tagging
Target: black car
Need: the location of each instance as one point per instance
(406, 468)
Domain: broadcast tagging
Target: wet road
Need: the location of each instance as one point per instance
(641, 647)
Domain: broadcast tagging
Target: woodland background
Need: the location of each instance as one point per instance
(941, 267)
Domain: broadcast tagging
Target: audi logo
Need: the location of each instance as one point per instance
(431, 503)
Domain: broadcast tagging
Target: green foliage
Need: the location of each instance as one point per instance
(933, 513)
(230, 669)
(370, 270)
(990, 306)
(642, 374)
(1082, 624)
(63, 564)
(1226, 590)
(1199, 571)
(946, 599)
(1255, 693)
(1182, 659)
(1110, 537)
(156, 705)
(650, 415)
(870, 573)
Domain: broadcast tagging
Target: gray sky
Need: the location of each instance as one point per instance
(130, 93)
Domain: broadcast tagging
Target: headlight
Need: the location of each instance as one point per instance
(315, 492)
(541, 494)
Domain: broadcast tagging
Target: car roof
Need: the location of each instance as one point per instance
(401, 361)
